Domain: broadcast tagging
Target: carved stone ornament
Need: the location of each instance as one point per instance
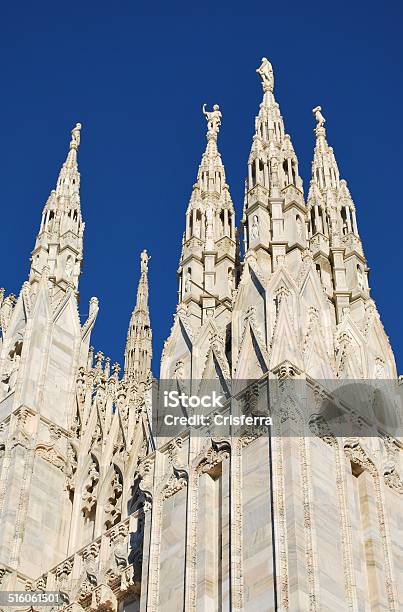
(177, 481)
(215, 454)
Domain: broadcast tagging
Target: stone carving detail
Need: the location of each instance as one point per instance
(89, 496)
(320, 120)
(213, 119)
(177, 481)
(12, 365)
(50, 454)
(265, 71)
(216, 453)
(392, 478)
(112, 511)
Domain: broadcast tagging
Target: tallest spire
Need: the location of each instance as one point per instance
(274, 207)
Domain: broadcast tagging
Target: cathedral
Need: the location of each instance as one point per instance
(97, 506)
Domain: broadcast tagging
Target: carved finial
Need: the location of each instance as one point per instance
(99, 357)
(213, 119)
(144, 259)
(75, 136)
(93, 307)
(320, 120)
(107, 368)
(116, 370)
(265, 71)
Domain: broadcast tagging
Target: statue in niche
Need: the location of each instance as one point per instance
(300, 231)
(10, 373)
(209, 222)
(255, 227)
(69, 266)
(213, 119)
(230, 280)
(320, 120)
(188, 280)
(265, 71)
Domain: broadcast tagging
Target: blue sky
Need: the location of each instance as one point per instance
(136, 79)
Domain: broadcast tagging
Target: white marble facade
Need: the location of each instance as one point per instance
(93, 506)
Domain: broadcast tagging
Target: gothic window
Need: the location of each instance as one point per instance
(294, 174)
(320, 219)
(222, 222)
(253, 174)
(344, 220)
(285, 169)
(314, 229)
(198, 223)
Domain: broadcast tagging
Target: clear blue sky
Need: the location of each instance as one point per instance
(136, 79)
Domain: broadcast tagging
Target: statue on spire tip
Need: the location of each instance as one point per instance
(213, 119)
(75, 136)
(265, 71)
(320, 120)
(144, 259)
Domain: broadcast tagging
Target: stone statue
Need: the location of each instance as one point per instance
(188, 281)
(144, 262)
(230, 280)
(255, 227)
(69, 266)
(299, 227)
(14, 371)
(75, 136)
(209, 222)
(213, 119)
(320, 120)
(265, 71)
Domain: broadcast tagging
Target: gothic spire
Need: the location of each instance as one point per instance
(138, 350)
(59, 244)
(272, 160)
(274, 208)
(334, 214)
(210, 226)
